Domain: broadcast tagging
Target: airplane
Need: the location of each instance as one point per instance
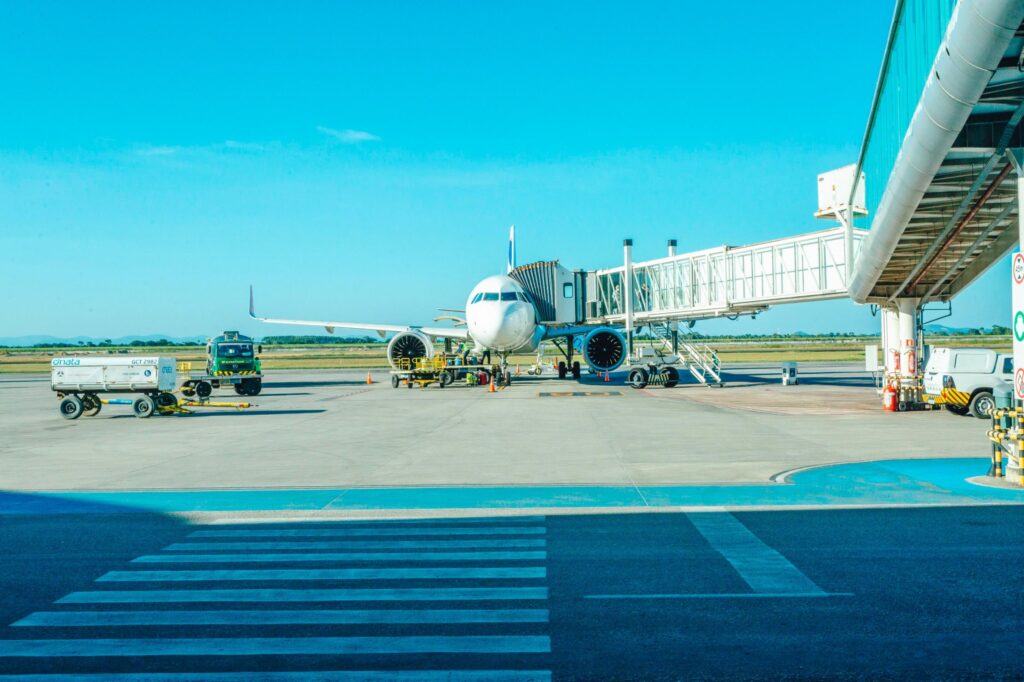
(500, 317)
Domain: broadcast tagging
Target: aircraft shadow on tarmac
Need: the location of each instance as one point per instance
(843, 379)
(310, 384)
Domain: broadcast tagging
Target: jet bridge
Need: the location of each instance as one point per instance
(726, 281)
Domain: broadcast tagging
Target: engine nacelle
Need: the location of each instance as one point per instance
(409, 345)
(604, 349)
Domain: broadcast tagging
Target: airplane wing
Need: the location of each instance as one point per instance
(381, 329)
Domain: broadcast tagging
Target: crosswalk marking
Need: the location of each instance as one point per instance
(319, 676)
(760, 566)
(346, 532)
(290, 595)
(278, 617)
(212, 575)
(494, 568)
(264, 646)
(503, 543)
(339, 557)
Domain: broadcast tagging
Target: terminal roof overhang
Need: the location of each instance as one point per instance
(949, 209)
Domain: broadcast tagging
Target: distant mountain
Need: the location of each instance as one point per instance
(33, 339)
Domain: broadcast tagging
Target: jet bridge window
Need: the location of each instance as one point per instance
(508, 296)
(476, 299)
(567, 290)
(491, 297)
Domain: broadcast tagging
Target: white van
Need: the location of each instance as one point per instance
(972, 371)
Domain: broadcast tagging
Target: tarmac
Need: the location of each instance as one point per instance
(329, 429)
(344, 531)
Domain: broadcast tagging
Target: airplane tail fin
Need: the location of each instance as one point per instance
(252, 304)
(511, 248)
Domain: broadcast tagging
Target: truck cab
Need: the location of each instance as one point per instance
(232, 358)
(967, 373)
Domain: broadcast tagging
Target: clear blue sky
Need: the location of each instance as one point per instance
(363, 160)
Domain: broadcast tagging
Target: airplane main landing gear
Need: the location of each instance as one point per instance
(564, 370)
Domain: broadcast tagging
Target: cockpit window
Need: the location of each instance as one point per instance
(477, 298)
(508, 295)
(490, 297)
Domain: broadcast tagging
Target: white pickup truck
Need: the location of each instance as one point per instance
(970, 374)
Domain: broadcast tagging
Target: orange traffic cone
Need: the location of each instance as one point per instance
(369, 379)
(493, 388)
(517, 370)
(607, 377)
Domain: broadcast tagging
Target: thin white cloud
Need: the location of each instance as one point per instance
(244, 146)
(348, 136)
(157, 151)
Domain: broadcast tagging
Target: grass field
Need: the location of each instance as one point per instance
(372, 356)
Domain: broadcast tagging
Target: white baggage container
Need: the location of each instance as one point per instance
(110, 374)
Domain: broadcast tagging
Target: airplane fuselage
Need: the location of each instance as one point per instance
(501, 316)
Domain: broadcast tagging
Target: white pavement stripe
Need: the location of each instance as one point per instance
(519, 543)
(320, 521)
(763, 568)
(340, 557)
(723, 595)
(369, 532)
(278, 617)
(318, 675)
(274, 646)
(273, 595)
(448, 573)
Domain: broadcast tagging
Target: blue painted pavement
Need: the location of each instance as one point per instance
(887, 482)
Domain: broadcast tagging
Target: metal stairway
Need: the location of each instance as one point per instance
(702, 361)
(699, 358)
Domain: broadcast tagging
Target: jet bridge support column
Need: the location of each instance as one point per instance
(673, 326)
(627, 291)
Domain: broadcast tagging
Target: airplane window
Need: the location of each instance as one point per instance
(477, 298)
(490, 297)
(508, 295)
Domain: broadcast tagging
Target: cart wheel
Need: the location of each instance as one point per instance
(71, 407)
(188, 389)
(215, 383)
(91, 404)
(166, 400)
(240, 389)
(255, 386)
(408, 382)
(144, 406)
(203, 389)
(638, 377)
(395, 381)
(445, 378)
(671, 377)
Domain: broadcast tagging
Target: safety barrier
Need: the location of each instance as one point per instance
(1007, 438)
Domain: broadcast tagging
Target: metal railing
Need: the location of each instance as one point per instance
(728, 280)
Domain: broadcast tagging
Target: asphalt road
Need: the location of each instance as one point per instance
(881, 593)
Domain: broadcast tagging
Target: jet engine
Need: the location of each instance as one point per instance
(604, 349)
(410, 345)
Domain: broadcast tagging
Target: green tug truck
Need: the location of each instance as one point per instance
(231, 359)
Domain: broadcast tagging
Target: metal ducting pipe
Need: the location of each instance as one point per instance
(978, 35)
